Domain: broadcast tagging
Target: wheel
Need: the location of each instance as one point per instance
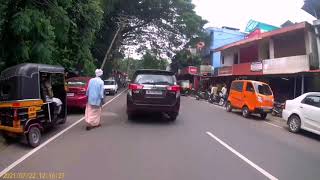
(63, 121)
(131, 115)
(173, 116)
(245, 112)
(229, 107)
(294, 123)
(263, 116)
(273, 113)
(34, 136)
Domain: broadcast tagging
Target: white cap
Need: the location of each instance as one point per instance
(99, 72)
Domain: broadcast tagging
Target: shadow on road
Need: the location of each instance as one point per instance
(150, 118)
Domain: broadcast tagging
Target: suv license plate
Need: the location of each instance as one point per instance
(153, 92)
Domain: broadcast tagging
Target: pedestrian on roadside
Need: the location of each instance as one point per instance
(95, 94)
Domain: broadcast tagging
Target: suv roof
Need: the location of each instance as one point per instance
(153, 71)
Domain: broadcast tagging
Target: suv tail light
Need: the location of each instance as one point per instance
(135, 86)
(174, 88)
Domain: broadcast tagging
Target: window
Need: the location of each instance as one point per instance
(109, 82)
(155, 79)
(263, 89)
(312, 101)
(76, 83)
(249, 87)
(222, 59)
(237, 86)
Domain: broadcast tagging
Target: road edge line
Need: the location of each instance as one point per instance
(31, 152)
(258, 168)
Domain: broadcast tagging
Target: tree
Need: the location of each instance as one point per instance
(166, 25)
(49, 31)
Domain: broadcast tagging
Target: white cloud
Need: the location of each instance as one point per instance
(236, 13)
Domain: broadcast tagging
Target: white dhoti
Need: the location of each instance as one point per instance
(93, 115)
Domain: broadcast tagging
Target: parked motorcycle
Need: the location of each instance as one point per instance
(277, 109)
(202, 95)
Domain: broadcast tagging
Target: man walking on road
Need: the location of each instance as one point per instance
(95, 94)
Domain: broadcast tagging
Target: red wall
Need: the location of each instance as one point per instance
(249, 54)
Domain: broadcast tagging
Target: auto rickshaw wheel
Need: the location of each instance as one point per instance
(63, 121)
(34, 136)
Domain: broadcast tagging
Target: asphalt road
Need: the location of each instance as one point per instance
(204, 143)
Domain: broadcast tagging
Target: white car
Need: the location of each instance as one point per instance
(110, 87)
(303, 113)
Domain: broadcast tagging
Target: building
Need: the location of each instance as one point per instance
(256, 25)
(220, 37)
(313, 7)
(286, 58)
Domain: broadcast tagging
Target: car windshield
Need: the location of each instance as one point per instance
(109, 82)
(76, 83)
(263, 89)
(155, 79)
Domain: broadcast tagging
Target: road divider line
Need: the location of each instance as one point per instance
(258, 168)
(24, 157)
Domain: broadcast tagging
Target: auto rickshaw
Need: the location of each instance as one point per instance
(25, 111)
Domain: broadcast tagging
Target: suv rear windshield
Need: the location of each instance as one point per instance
(76, 83)
(109, 82)
(263, 89)
(158, 79)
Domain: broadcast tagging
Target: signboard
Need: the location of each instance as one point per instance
(205, 69)
(192, 70)
(256, 66)
(224, 71)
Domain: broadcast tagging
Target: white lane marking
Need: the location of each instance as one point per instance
(275, 125)
(14, 164)
(264, 172)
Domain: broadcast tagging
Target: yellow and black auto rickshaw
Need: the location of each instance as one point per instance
(32, 100)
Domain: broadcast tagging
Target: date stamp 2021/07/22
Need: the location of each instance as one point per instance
(33, 175)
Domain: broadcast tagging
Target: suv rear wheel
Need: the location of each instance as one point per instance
(173, 116)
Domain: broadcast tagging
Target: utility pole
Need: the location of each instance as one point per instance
(121, 22)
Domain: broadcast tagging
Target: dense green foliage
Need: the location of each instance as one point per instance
(77, 33)
(50, 31)
(148, 61)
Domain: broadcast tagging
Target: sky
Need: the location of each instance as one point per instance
(237, 13)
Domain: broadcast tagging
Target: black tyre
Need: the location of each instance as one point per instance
(228, 107)
(34, 136)
(263, 116)
(294, 123)
(245, 112)
(173, 116)
(131, 115)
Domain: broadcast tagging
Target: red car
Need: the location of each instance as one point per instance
(76, 93)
